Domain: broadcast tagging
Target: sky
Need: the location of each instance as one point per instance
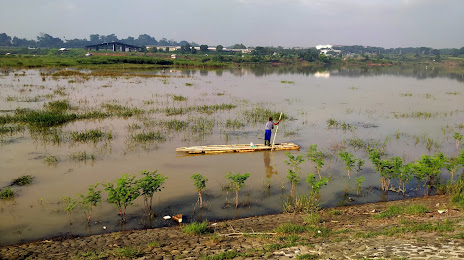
(286, 23)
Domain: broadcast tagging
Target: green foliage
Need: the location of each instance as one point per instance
(317, 157)
(69, 206)
(196, 228)
(312, 219)
(82, 156)
(350, 162)
(301, 203)
(359, 182)
(237, 182)
(394, 211)
(23, 180)
(123, 193)
(307, 256)
(200, 183)
(315, 184)
(91, 199)
(59, 106)
(457, 191)
(429, 168)
(127, 252)
(149, 184)
(149, 136)
(51, 160)
(6, 193)
(295, 170)
(458, 138)
(93, 135)
(290, 228)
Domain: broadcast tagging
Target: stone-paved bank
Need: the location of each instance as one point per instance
(343, 233)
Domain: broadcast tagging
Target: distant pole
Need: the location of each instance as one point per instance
(275, 134)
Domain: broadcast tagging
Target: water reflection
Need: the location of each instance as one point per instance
(417, 71)
(267, 165)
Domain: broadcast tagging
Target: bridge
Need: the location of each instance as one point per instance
(115, 46)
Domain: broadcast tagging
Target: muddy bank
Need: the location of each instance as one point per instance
(351, 232)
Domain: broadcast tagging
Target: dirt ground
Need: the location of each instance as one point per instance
(350, 232)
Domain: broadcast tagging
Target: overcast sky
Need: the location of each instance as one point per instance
(287, 23)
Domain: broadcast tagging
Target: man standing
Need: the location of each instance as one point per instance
(267, 132)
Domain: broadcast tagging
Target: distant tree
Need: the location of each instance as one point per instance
(182, 43)
(239, 46)
(46, 40)
(95, 38)
(145, 39)
(219, 48)
(186, 47)
(23, 42)
(203, 47)
(194, 51)
(5, 40)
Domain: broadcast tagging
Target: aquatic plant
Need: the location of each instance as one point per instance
(58, 106)
(179, 98)
(23, 180)
(458, 138)
(69, 206)
(93, 135)
(150, 183)
(148, 136)
(123, 193)
(51, 160)
(200, 184)
(350, 162)
(315, 184)
(317, 157)
(454, 164)
(359, 181)
(234, 124)
(295, 170)
(301, 203)
(428, 168)
(404, 175)
(237, 183)
(90, 200)
(6, 193)
(82, 156)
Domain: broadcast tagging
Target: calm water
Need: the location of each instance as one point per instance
(366, 99)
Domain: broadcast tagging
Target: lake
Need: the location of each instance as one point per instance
(406, 111)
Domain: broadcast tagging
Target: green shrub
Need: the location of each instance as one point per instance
(290, 228)
(196, 228)
(6, 193)
(23, 180)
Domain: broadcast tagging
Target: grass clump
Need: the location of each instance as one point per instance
(412, 227)
(82, 156)
(290, 228)
(196, 228)
(312, 219)
(127, 252)
(179, 98)
(301, 203)
(149, 136)
(93, 135)
(51, 160)
(307, 256)
(259, 114)
(175, 124)
(58, 106)
(23, 180)
(6, 193)
(394, 211)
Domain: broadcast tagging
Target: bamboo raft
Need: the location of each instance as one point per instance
(235, 148)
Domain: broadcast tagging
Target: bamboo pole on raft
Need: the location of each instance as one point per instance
(275, 134)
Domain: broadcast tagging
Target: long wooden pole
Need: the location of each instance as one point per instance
(275, 134)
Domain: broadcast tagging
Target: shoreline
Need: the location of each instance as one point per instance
(256, 237)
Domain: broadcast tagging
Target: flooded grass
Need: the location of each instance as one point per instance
(177, 125)
(82, 156)
(51, 160)
(6, 193)
(93, 135)
(179, 98)
(23, 180)
(148, 137)
(259, 114)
